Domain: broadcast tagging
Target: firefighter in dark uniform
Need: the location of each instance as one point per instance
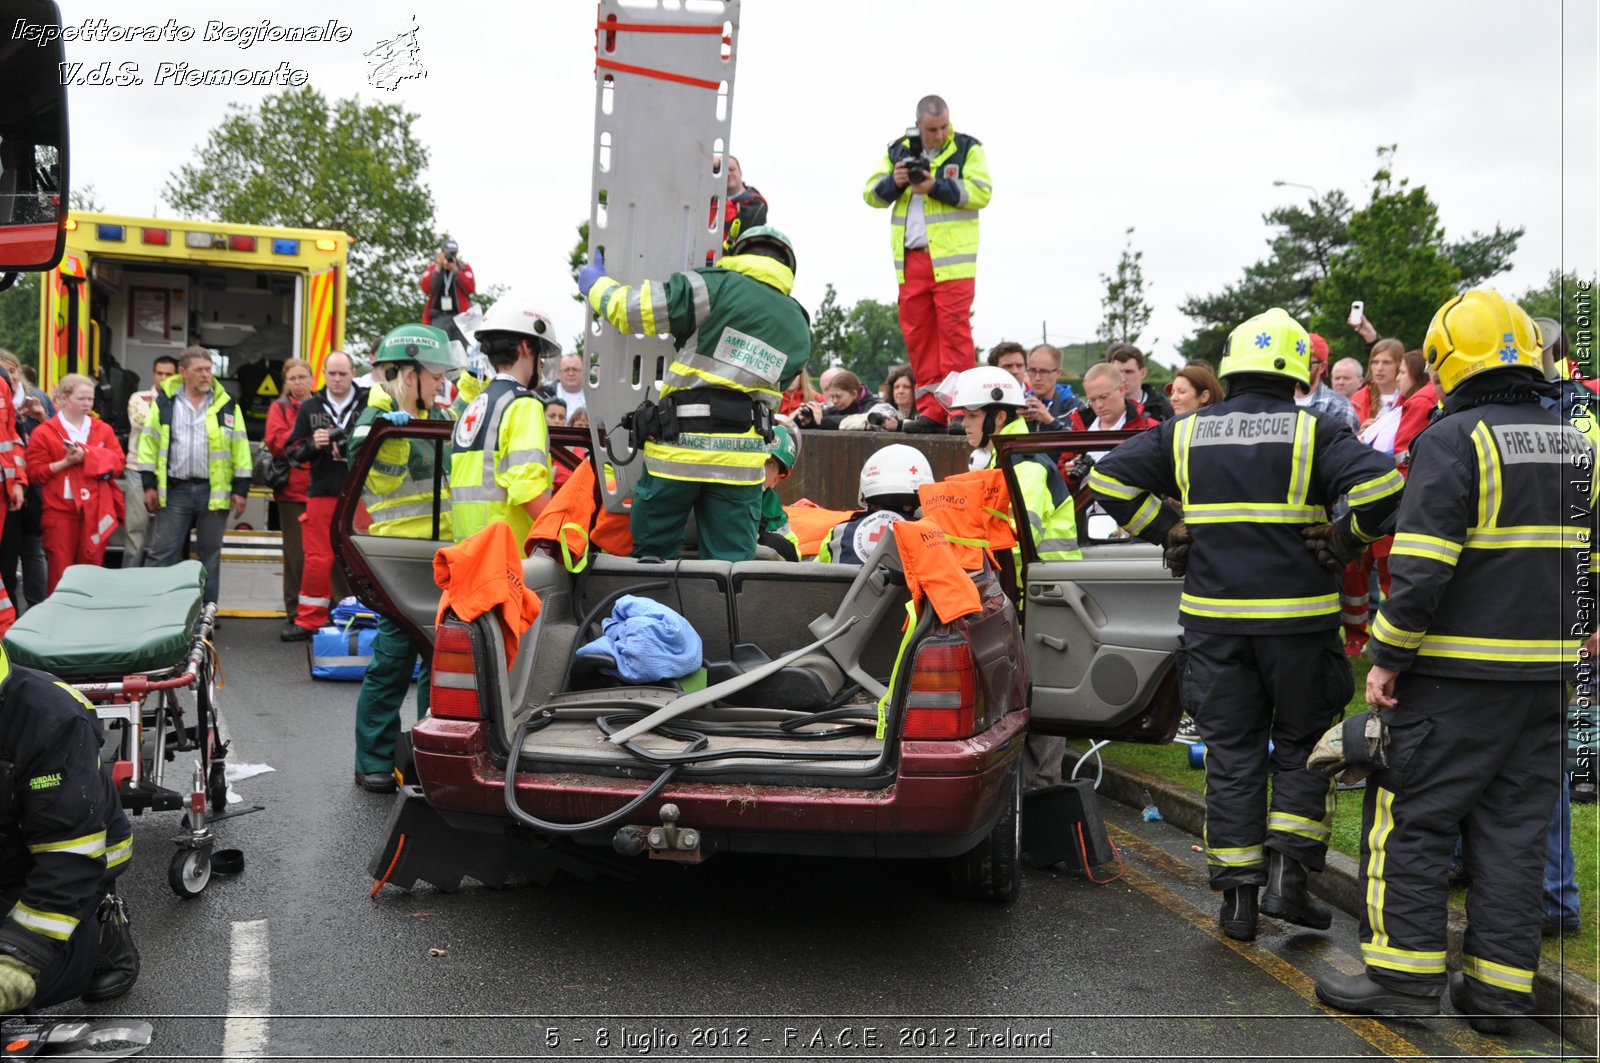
(63, 839)
(1256, 476)
(1469, 656)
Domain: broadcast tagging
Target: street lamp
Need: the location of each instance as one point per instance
(1296, 184)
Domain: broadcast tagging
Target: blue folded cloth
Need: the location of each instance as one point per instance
(648, 642)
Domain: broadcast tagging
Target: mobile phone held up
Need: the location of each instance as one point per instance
(1357, 313)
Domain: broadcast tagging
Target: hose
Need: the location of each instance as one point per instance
(1099, 765)
(567, 828)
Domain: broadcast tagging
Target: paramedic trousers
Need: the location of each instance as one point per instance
(1244, 690)
(316, 575)
(383, 692)
(935, 318)
(136, 523)
(1355, 592)
(62, 533)
(727, 518)
(1482, 759)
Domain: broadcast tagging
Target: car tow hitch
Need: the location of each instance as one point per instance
(666, 842)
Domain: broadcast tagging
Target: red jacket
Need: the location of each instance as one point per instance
(460, 292)
(1414, 414)
(73, 490)
(280, 422)
(12, 456)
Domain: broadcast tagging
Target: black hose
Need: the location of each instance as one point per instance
(698, 741)
(567, 828)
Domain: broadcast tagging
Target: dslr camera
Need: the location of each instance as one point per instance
(916, 165)
(806, 419)
(450, 250)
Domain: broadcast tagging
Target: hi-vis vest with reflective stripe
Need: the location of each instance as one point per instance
(1052, 513)
(961, 188)
(734, 327)
(399, 493)
(1491, 566)
(227, 445)
(501, 459)
(1250, 473)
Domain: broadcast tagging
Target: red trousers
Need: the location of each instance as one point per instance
(8, 612)
(62, 533)
(1357, 590)
(316, 578)
(937, 324)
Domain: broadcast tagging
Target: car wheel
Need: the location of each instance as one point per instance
(992, 869)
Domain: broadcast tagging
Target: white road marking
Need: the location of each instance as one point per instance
(249, 992)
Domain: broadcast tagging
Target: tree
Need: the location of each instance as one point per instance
(1301, 253)
(1558, 298)
(1126, 312)
(298, 160)
(1395, 263)
(873, 341)
(19, 319)
(829, 328)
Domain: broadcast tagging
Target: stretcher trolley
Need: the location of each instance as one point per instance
(137, 644)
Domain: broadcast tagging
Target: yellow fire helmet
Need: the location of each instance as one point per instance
(1478, 331)
(1272, 342)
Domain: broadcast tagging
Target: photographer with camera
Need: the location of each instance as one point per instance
(936, 180)
(320, 440)
(448, 283)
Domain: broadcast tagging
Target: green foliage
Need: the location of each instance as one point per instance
(1126, 312)
(299, 160)
(19, 319)
(829, 325)
(872, 341)
(1391, 254)
(1302, 250)
(1557, 298)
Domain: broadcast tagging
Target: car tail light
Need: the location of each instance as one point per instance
(455, 674)
(944, 700)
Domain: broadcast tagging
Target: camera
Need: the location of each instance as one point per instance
(916, 165)
(450, 249)
(806, 419)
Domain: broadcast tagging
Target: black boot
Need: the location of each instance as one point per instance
(118, 966)
(1238, 916)
(1287, 898)
(1359, 994)
(1483, 1021)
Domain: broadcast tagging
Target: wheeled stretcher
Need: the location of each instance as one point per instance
(132, 641)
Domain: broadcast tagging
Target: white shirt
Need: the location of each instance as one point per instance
(78, 435)
(916, 225)
(574, 399)
(187, 455)
(1101, 426)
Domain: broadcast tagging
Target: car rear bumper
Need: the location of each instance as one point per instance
(945, 797)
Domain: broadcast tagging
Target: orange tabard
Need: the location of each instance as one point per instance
(973, 509)
(483, 572)
(933, 571)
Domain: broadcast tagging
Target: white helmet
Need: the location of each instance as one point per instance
(897, 469)
(987, 385)
(513, 314)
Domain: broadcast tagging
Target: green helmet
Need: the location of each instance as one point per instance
(423, 344)
(765, 240)
(1272, 342)
(785, 447)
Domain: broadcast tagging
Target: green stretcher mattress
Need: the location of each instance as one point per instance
(105, 623)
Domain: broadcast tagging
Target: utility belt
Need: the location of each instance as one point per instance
(697, 410)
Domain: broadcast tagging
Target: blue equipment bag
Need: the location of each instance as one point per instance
(342, 650)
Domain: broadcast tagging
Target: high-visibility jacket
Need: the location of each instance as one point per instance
(62, 827)
(227, 445)
(1492, 537)
(736, 328)
(1052, 513)
(1250, 472)
(399, 493)
(500, 460)
(950, 210)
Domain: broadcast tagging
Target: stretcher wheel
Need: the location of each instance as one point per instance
(189, 872)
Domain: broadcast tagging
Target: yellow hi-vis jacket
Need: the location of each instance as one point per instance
(950, 210)
(500, 460)
(227, 446)
(398, 493)
(736, 329)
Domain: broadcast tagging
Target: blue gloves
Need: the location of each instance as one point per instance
(588, 275)
(396, 417)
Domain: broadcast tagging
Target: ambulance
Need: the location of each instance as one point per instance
(129, 290)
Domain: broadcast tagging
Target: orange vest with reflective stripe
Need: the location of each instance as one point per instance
(932, 570)
(574, 517)
(973, 509)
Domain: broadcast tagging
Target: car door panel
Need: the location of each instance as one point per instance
(1102, 641)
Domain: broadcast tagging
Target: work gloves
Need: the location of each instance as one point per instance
(588, 275)
(396, 417)
(1334, 546)
(17, 984)
(1176, 551)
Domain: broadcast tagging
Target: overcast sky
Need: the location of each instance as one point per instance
(1172, 117)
